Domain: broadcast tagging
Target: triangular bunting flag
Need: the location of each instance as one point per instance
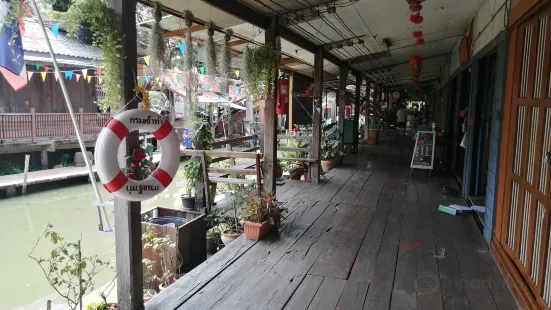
(77, 76)
(29, 75)
(43, 76)
(208, 87)
(239, 89)
(37, 67)
(55, 29)
(179, 79)
(69, 74)
(174, 75)
(146, 58)
(89, 78)
(84, 72)
(100, 79)
(202, 69)
(46, 69)
(56, 75)
(157, 79)
(182, 48)
(142, 81)
(148, 79)
(237, 73)
(169, 85)
(98, 69)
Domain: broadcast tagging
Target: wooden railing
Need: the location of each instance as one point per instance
(17, 126)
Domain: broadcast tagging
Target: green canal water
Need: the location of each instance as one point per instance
(67, 206)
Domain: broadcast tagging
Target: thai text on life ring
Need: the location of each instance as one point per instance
(107, 146)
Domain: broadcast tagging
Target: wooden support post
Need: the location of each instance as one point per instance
(343, 74)
(128, 233)
(366, 111)
(33, 124)
(357, 104)
(81, 120)
(25, 172)
(315, 147)
(206, 183)
(270, 119)
(44, 157)
(291, 80)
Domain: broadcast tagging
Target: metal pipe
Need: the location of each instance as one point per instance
(73, 119)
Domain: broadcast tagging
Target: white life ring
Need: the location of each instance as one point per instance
(107, 146)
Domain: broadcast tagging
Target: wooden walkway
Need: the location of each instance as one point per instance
(368, 237)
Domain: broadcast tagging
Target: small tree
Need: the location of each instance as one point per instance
(70, 274)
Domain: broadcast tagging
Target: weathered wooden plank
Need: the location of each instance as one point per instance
(369, 250)
(353, 295)
(274, 289)
(354, 184)
(305, 293)
(327, 296)
(454, 295)
(337, 258)
(429, 294)
(404, 294)
(372, 188)
(378, 297)
(254, 264)
(230, 181)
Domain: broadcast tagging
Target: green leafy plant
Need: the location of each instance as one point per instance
(65, 160)
(97, 305)
(67, 271)
(264, 64)
(168, 256)
(10, 168)
(262, 208)
(225, 67)
(105, 24)
(193, 172)
(330, 147)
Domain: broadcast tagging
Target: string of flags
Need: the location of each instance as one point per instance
(68, 74)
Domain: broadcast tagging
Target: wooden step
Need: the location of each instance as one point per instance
(231, 181)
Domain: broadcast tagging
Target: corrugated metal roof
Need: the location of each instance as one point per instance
(62, 45)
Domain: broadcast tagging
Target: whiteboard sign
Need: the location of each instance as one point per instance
(423, 153)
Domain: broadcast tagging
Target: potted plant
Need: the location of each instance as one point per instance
(330, 150)
(193, 172)
(279, 170)
(260, 214)
(231, 218)
(168, 257)
(213, 238)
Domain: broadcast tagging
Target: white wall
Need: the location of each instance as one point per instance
(488, 22)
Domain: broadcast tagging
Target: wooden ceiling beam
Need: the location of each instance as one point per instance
(181, 32)
(288, 61)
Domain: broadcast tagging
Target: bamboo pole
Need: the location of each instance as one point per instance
(73, 119)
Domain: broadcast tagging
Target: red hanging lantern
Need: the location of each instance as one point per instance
(416, 63)
(416, 75)
(420, 41)
(417, 34)
(416, 18)
(416, 84)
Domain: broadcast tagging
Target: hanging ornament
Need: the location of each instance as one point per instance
(43, 76)
(416, 18)
(225, 70)
(417, 34)
(416, 63)
(37, 67)
(144, 95)
(416, 84)
(156, 48)
(188, 58)
(210, 50)
(246, 66)
(420, 41)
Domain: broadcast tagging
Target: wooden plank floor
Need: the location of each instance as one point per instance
(369, 236)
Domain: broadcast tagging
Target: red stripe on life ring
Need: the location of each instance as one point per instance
(118, 128)
(163, 131)
(117, 183)
(162, 176)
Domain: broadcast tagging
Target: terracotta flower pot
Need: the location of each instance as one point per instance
(228, 236)
(327, 165)
(255, 231)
